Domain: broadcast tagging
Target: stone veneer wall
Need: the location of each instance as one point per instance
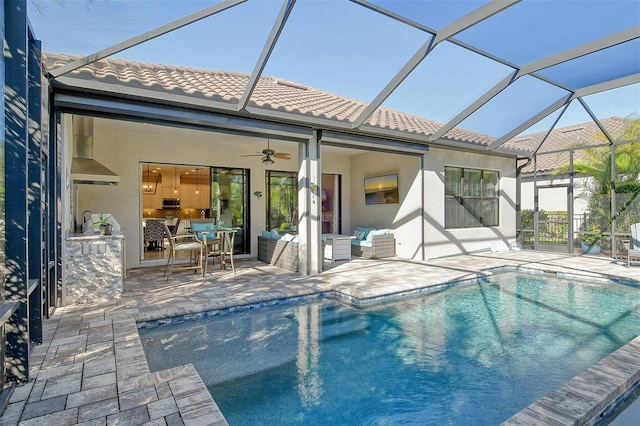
(93, 268)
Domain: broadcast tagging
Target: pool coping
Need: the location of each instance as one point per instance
(589, 397)
(586, 399)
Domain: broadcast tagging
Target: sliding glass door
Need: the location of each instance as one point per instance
(331, 204)
(229, 203)
(175, 194)
(282, 201)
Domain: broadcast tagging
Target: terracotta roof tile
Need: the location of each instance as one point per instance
(575, 136)
(270, 93)
(286, 96)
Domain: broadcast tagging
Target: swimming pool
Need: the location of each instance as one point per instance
(471, 354)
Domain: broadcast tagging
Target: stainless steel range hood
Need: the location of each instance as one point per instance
(84, 169)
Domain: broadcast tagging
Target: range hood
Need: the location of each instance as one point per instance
(84, 169)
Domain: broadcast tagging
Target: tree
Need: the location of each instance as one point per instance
(596, 162)
(597, 165)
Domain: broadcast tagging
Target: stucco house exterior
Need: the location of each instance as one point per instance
(547, 186)
(149, 113)
(554, 156)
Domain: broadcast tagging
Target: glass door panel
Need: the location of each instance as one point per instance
(179, 193)
(282, 201)
(229, 201)
(331, 204)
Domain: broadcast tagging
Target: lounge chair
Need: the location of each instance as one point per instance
(634, 245)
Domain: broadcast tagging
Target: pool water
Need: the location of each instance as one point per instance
(472, 354)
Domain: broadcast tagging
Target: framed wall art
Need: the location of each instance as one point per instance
(381, 189)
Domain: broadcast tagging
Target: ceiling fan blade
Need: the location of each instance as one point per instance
(282, 155)
(253, 155)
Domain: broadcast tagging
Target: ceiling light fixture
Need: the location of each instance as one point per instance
(175, 187)
(267, 161)
(197, 186)
(145, 185)
(148, 187)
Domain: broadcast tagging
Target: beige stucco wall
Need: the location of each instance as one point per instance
(403, 219)
(411, 227)
(555, 199)
(444, 242)
(122, 146)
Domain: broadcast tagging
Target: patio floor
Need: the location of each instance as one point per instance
(91, 367)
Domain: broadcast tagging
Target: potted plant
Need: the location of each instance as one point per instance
(103, 224)
(590, 242)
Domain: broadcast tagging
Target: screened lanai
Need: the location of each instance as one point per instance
(489, 76)
(474, 77)
(498, 69)
(493, 77)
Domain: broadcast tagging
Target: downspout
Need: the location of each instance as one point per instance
(519, 197)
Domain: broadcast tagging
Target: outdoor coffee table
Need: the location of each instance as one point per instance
(337, 247)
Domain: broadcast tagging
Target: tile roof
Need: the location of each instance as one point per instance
(226, 87)
(575, 136)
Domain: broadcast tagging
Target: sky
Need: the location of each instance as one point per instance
(345, 48)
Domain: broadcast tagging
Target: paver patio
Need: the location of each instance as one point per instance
(91, 368)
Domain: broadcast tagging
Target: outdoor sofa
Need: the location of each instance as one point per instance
(373, 243)
(278, 250)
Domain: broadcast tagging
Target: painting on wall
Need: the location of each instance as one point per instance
(381, 190)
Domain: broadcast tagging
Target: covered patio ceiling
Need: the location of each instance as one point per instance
(502, 69)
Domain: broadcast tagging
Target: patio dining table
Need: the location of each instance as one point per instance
(225, 238)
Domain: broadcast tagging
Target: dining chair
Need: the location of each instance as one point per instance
(174, 227)
(228, 235)
(185, 242)
(205, 232)
(154, 234)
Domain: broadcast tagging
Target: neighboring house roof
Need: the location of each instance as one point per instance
(562, 139)
(222, 91)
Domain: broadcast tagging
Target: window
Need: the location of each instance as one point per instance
(282, 201)
(471, 197)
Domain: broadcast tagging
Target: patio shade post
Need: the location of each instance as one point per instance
(310, 207)
(613, 201)
(315, 205)
(570, 199)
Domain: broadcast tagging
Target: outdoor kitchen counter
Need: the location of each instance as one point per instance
(93, 268)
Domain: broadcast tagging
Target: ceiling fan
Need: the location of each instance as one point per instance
(269, 154)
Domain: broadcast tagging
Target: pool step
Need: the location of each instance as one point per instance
(339, 320)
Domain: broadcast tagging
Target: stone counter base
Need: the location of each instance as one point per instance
(92, 269)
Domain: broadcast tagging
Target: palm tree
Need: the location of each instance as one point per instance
(595, 163)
